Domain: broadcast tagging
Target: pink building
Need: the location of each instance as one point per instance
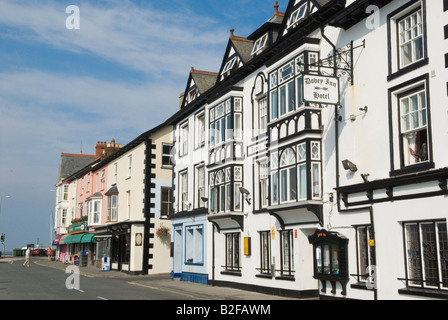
(89, 205)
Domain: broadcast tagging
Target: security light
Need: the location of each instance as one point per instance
(348, 165)
(244, 191)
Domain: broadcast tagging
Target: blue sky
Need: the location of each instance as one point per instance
(117, 76)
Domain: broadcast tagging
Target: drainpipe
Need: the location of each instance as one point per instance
(336, 143)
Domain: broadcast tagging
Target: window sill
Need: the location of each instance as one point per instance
(407, 69)
(286, 277)
(264, 275)
(232, 273)
(431, 293)
(423, 166)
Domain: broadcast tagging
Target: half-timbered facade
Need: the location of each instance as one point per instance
(310, 194)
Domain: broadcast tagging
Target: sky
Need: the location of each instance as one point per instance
(116, 76)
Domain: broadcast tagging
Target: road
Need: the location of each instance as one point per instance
(45, 280)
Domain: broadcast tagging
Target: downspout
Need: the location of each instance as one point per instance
(336, 144)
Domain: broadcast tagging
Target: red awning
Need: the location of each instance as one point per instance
(58, 239)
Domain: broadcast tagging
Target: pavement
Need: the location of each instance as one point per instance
(161, 282)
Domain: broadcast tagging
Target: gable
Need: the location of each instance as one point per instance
(238, 53)
(198, 83)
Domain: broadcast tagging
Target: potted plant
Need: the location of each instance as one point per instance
(162, 232)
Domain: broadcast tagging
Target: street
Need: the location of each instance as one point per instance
(48, 280)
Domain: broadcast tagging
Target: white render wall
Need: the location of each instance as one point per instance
(366, 142)
(125, 183)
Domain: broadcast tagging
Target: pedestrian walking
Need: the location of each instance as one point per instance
(27, 258)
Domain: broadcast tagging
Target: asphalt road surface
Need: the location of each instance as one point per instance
(45, 280)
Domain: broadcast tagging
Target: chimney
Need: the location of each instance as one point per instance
(104, 150)
(100, 149)
(111, 148)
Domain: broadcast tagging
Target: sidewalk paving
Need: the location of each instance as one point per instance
(162, 282)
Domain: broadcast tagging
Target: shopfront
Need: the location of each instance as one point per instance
(120, 245)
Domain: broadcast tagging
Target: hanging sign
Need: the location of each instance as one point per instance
(320, 89)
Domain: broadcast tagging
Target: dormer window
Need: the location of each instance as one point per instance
(192, 94)
(229, 65)
(297, 15)
(260, 44)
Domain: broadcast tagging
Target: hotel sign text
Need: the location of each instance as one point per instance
(320, 89)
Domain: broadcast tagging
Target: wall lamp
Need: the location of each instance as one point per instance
(348, 165)
(246, 194)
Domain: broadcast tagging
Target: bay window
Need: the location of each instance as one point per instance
(285, 87)
(226, 121)
(296, 173)
(225, 194)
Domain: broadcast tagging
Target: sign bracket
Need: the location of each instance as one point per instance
(338, 64)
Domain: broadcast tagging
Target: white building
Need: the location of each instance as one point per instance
(138, 179)
(323, 155)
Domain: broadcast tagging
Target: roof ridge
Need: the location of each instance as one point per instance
(78, 155)
(234, 37)
(208, 73)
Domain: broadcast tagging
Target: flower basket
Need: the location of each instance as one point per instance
(78, 220)
(162, 232)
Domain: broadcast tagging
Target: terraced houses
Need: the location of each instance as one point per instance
(311, 164)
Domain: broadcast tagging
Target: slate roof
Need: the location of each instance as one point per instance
(204, 80)
(71, 163)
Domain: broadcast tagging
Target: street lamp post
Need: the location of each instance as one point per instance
(1, 198)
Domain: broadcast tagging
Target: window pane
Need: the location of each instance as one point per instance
(293, 183)
(212, 199)
(316, 180)
(302, 182)
(318, 259)
(299, 91)
(274, 105)
(443, 252)
(335, 259)
(326, 258)
(291, 96)
(275, 187)
(283, 185)
(413, 254)
(362, 251)
(222, 199)
(429, 254)
(282, 100)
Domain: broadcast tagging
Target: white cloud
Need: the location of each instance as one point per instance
(142, 38)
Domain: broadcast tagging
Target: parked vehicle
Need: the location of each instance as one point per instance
(39, 252)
